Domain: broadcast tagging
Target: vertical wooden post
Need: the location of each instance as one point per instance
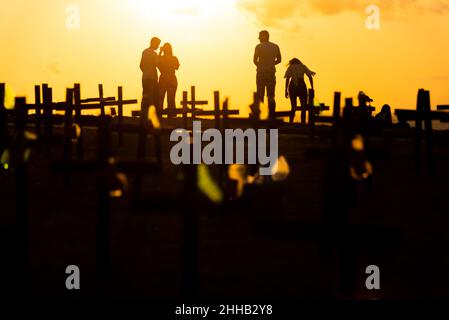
(20, 114)
(104, 201)
(44, 101)
(185, 107)
(48, 118)
(104, 139)
(348, 109)
(224, 176)
(225, 113)
(193, 102)
(2, 94)
(101, 100)
(37, 102)
(255, 110)
(21, 204)
(428, 133)
(349, 103)
(42, 138)
(219, 126)
(77, 96)
(418, 129)
(120, 115)
(336, 117)
(311, 109)
(68, 124)
(141, 152)
(217, 109)
(3, 118)
(190, 243)
(77, 107)
(337, 108)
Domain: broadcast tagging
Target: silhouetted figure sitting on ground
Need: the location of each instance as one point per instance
(168, 83)
(295, 86)
(148, 65)
(383, 118)
(266, 56)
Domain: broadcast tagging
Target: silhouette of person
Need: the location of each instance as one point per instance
(168, 83)
(295, 87)
(148, 65)
(383, 118)
(365, 103)
(266, 56)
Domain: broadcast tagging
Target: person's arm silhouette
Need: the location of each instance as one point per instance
(278, 55)
(288, 77)
(310, 75)
(256, 56)
(311, 80)
(159, 62)
(143, 62)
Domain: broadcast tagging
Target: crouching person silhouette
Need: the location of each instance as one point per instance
(295, 87)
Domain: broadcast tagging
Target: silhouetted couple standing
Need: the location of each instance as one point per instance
(266, 56)
(156, 88)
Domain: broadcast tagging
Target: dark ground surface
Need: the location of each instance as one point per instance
(235, 259)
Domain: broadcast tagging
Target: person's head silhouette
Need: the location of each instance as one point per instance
(264, 36)
(167, 49)
(386, 109)
(294, 61)
(155, 43)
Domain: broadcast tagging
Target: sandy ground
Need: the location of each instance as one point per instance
(236, 258)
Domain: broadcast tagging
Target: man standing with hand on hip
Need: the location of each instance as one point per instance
(266, 56)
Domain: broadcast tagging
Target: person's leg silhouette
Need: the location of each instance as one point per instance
(293, 102)
(261, 87)
(271, 88)
(163, 88)
(304, 106)
(171, 99)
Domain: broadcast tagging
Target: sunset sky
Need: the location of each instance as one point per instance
(215, 39)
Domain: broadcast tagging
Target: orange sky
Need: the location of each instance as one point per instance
(215, 39)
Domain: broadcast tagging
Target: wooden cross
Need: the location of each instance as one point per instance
(193, 103)
(423, 116)
(185, 103)
(101, 103)
(185, 111)
(220, 116)
(48, 107)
